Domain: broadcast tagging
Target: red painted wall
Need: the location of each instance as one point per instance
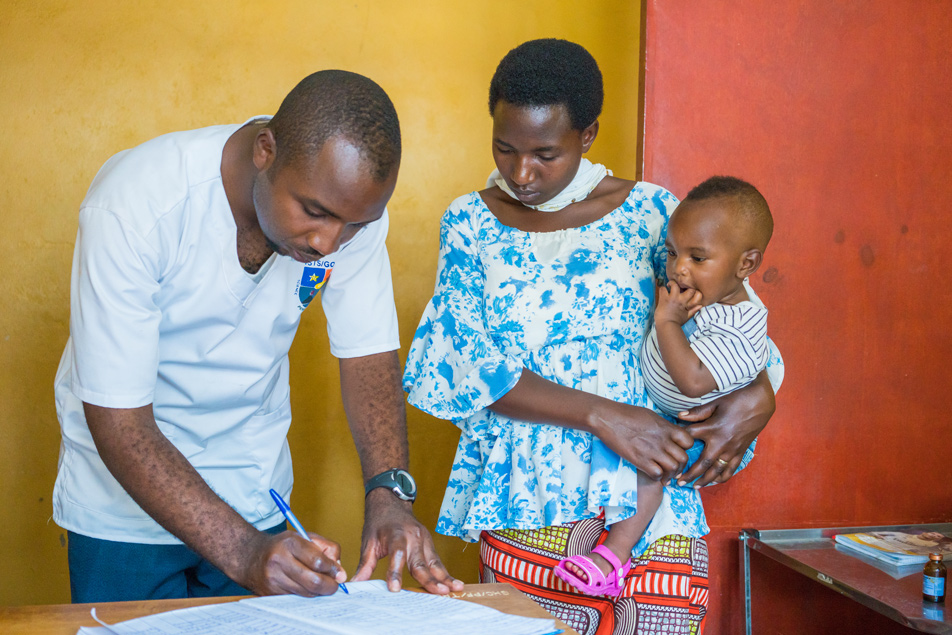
(841, 113)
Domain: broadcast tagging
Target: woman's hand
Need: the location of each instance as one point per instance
(641, 437)
(638, 435)
(727, 426)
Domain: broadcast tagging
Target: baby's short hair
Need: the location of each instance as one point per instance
(751, 204)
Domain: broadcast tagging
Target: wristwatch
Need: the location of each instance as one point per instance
(397, 481)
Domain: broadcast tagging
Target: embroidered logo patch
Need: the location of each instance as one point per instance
(316, 274)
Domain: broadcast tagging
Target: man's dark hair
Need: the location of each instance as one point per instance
(751, 204)
(329, 103)
(550, 72)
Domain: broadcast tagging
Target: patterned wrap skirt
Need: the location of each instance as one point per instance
(666, 590)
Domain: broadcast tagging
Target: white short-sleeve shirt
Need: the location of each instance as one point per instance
(161, 312)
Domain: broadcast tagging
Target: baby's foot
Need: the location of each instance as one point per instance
(603, 565)
(600, 572)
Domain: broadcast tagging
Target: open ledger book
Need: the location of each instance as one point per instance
(369, 608)
(897, 547)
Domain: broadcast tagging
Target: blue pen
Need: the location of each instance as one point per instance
(291, 518)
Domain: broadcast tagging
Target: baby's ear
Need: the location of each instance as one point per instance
(749, 262)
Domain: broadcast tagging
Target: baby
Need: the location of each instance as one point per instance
(708, 339)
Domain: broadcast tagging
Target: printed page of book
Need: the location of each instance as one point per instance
(368, 608)
(230, 617)
(371, 608)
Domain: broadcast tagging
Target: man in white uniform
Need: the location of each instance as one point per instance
(196, 254)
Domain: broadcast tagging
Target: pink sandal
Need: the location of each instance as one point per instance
(597, 583)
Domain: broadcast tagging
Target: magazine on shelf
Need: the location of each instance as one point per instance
(895, 571)
(898, 547)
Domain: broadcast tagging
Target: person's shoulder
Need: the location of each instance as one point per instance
(157, 174)
(465, 209)
(468, 200)
(650, 192)
(750, 311)
(647, 202)
(743, 313)
(612, 186)
(639, 201)
(635, 193)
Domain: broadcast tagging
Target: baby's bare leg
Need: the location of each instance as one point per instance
(623, 536)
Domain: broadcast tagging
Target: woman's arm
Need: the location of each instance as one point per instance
(638, 435)
(727, 426)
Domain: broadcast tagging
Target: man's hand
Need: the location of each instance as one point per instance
(727, 426)
(148, 466)
(286, 563)
(675, 305)
(390, 529)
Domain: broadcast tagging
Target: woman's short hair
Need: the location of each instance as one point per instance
(549, 72)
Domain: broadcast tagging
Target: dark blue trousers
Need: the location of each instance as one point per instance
(108, 571)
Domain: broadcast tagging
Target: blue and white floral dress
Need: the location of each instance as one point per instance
(572, 306)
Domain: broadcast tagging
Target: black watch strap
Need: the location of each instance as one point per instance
(397, 481)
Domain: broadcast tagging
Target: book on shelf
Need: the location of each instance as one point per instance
(897, 547)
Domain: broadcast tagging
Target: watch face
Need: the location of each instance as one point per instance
(396, 480)
(405, 482)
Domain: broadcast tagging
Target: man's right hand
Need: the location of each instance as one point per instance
(643, 438)
(286, 563)
(148, 466)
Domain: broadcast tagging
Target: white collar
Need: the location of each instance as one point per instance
(589, 175)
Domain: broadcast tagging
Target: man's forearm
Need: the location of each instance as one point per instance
(166, 486)
(373, 402)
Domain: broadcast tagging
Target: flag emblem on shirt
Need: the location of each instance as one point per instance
(312, 280)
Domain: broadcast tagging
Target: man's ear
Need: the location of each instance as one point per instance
(588, 136)
(749, 263)
(265, 149)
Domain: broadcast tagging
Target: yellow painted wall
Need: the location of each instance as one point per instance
(81, 80)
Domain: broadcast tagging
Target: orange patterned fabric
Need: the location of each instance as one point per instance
(665, 593)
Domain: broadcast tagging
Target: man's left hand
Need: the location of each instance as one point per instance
(727, 426)
(390, 529)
